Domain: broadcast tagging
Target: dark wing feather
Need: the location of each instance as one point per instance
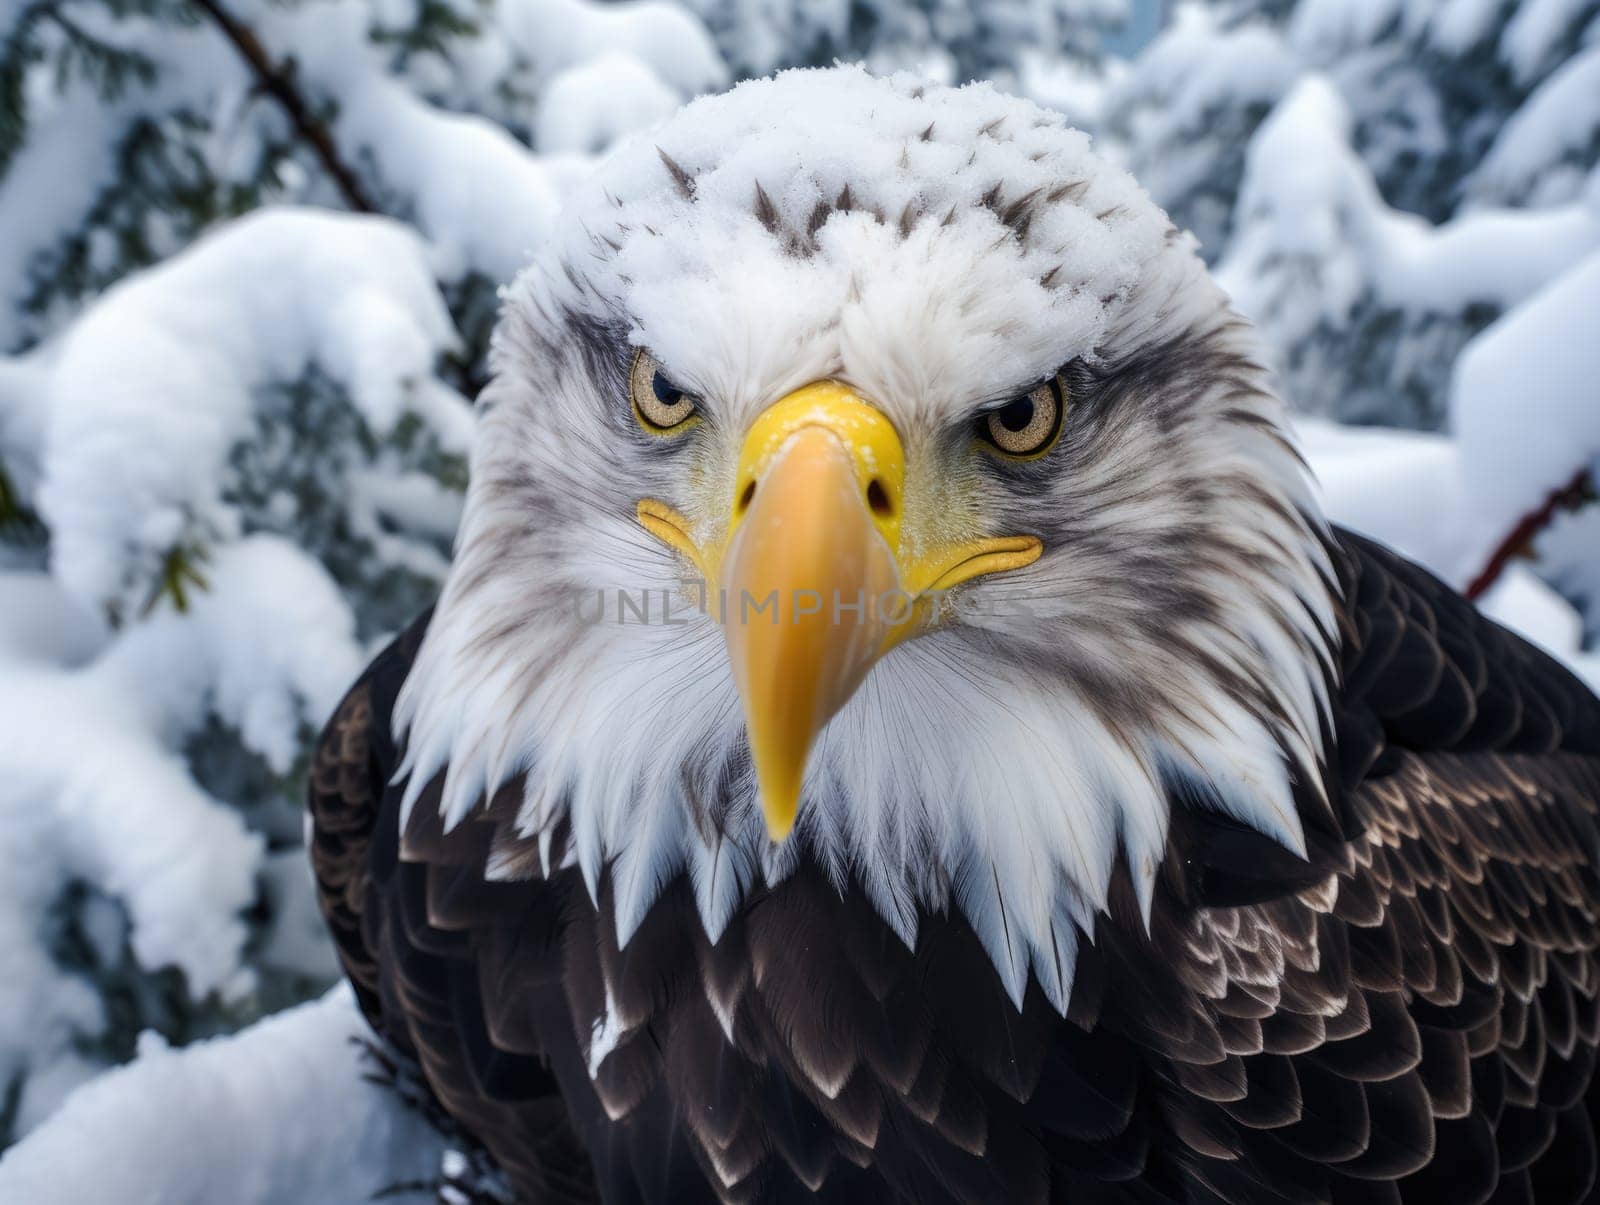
(1444, 1045)
(349, 774)
(409, 932)
(1408, 1015)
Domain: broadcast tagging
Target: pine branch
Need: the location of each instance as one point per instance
(103, 64)
(180, 574)
(277, 80)
(469, 1175)
(17, 522)
(1572, 496)
(19, 50)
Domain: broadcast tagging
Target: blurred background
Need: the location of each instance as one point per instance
(249, 252)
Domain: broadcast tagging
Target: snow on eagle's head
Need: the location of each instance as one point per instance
(853, 339)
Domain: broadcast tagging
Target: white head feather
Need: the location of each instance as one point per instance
(936, 249)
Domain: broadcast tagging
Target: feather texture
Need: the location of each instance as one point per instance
(1175, 637)
(1409, 1015)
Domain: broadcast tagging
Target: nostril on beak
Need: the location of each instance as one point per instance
(878, 501)
(746, 496)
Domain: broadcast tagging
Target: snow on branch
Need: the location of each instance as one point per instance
(280, 1114)
(1548, 136)
(153, 387)
(1523, 398)
(1518, 542)
(97, 792)
(1317, 237)
(1523, 447)
(483, 200)
(1366, 302)
(1523, 404)
(666, 40)
(279, 83)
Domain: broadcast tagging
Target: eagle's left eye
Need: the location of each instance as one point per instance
(1026, 426)
(660, 405)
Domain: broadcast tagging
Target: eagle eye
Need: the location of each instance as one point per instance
(1026, 426)
(660, 406)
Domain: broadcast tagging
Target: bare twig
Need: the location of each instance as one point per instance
(468, 1175)
(278, 82)
(1569, 497)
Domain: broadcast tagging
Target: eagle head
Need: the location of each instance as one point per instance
(872, 474)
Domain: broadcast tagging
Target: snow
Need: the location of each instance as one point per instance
(1310, 201)
(1524, 420)
(1535, 30)
(1526, 396)
(1192, 69)
(479, 196)
(23, 383)
(1210, 63)
(93, 792)
(56, 176)
(1456, 25)
(298, 942)
(730, 145)
(1074, 89)
(589, 106)
(1555, 124)
(1527, 606)
(483, 201)
(1404, 488)
(152, 387)
(42, 626)
(1322, 28)
(86, 763)
(670, 41)
(93, 787)
(279, 642)
(277, 1115)
(1412, 491)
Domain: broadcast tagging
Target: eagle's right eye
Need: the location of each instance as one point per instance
(660, 406)
(1026, 427)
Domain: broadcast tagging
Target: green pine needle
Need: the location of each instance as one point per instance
(180, 576)
(17, 522)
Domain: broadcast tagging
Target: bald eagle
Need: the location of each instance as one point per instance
(898, 728)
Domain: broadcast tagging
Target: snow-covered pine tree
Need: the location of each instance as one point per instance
(246, 282)
(1362, 225)
(955, 40)
(1385, 188)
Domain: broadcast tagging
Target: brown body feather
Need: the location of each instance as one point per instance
(1411, 1014)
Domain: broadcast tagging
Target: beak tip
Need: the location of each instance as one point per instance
(780, 815)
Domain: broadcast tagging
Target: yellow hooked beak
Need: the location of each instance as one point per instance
(813, 580)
